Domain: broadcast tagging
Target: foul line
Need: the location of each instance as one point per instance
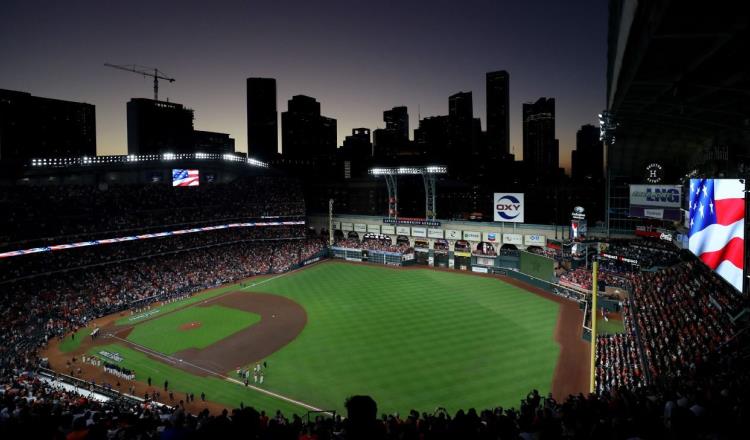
(175, 361)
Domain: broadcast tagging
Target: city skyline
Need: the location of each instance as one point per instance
(355, 67)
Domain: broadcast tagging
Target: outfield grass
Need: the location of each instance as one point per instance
(69, 344)
(217, 322)
(410, 338)
(181, 382)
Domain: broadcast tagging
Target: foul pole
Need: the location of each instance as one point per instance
(594, 292)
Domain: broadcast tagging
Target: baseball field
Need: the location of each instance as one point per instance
(411, 338)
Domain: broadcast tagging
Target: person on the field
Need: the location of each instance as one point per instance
(260, 378)
(166, 385)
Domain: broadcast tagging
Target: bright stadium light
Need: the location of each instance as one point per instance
(168, 156)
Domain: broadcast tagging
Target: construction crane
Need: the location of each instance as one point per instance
(145, 71)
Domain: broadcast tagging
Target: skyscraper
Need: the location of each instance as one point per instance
(397, 121)
(305, 133)
(212, 142)
(498, 114)
(587, 162)
(156, 127)
(262, 117)
(462, 127)
(34, 127)
(394, 138)
(539, 143)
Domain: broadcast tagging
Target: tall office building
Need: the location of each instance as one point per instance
(262, 117)
(498, 114)
(34, 127)
(587, 161)
(392, 140)
(540, 148)
(305, 133)
(397, 121)
(463, 129)
(156, 127)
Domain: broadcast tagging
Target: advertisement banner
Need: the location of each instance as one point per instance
(336, 225)
(388, 229)
(403, 230)
(452, 234)
(360, 227)
(534, 240)
(492, 237)
(347, 226)
(373, 228)
(479, 269)
(659, 196)
(472, 236)
(419, 232)
(508, 207)
(435, 233)
(516, 239)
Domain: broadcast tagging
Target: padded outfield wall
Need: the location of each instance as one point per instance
(537, 266)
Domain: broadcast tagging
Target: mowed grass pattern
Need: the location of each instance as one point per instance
(163, 334)
(181, 382)
(413, 339)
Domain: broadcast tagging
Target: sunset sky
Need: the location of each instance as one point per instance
(357, 58)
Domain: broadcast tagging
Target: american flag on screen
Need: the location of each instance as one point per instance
(717, 226)
(185, 178)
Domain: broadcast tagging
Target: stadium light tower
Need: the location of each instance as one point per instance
(428, 174)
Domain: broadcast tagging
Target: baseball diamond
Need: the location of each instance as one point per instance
(333, 328)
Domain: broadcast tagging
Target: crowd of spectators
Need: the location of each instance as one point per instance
(683, 314)
(44, 262)
(645, 253)
(33, 310)
(38, 215)
(375, 245)
(619, 358)
(555, 254)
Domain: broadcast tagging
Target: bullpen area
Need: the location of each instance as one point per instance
(411, 338)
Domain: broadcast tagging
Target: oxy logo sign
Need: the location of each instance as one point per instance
(509, 207)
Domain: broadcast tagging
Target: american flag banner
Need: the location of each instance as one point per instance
(185, 177)
(717, 226)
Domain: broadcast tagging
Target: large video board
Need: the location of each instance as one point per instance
(717, 226)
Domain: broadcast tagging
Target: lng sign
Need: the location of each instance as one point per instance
(508, 207)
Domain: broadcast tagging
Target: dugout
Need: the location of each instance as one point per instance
(422, 252)
(440, 252)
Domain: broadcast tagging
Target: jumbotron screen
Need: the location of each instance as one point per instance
(717, 226)
(185, 177)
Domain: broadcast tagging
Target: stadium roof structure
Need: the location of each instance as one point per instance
(678, 83)
(133, 158)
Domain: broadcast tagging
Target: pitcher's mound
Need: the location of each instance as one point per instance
(190, 326)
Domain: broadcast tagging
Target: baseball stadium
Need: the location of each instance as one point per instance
(223, 295)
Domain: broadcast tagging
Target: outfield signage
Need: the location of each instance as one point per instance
(419, 232)
(508, 207)
(472, 236)
(373, 228)
(403, 230)
(534, 240)
(516, 239)
(452, 234)
(360, 227)
(411, 221)
(336, 225)
(656, 201)
(347, 226)
(388, 229)
(491, 237)
(435, 233)
(479, 269)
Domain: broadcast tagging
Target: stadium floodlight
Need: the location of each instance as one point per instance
(432, 169)
(201, 156)
(168, 156)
